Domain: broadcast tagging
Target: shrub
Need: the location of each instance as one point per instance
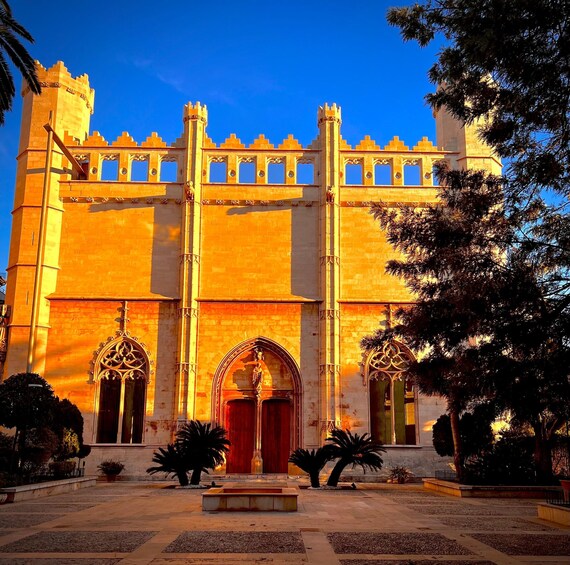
(399, 474)
(510, 461)
(353, 450)
(61, 469)
(110, 467)
(312, 462)
(475, 429)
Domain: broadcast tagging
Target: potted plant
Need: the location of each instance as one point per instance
(399, 475)
(110, 469)
(565, 484)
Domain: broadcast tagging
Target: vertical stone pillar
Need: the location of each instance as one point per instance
(195, 120)
(472, 153)
(329, 120)
(70, 102)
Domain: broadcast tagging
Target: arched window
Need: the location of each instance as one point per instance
(122, 371)
(392, 395)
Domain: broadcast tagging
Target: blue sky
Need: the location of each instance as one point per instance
(261, 67)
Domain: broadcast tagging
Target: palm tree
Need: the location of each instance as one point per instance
(353, 450)
(11, 49)
(203, 447)
(312, 462)
(172, 462)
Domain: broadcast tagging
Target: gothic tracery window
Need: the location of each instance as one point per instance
(392, 395)
(122, 371)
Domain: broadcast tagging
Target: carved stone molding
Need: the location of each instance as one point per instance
(390, 362)
(187, 312)
(328, 425)
(329, 314)
(330, 369)
(190, 258)
(330, 260)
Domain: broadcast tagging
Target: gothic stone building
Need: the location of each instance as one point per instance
(216, 281)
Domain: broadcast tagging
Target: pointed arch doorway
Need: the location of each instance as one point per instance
(257, 392)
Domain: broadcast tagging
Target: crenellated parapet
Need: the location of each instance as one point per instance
(269, 163)
(196, 112)
(328, 113)
(58, 76)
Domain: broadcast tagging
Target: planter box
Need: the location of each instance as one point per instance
(554, 513)
(484, 491)
(250, 499)
(28, 492)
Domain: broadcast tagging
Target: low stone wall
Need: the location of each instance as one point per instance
(38, 490)
(554, 513)
(484, 491)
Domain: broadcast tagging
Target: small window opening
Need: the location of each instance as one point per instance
(412, 175)
(276, 173)
(139, 171)
(218, 172)
(168, 171)
(305, 173)
(109, 170)
(353, 174)
(246, 173)
(383, 174)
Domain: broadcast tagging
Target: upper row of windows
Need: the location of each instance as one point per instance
(276, 173)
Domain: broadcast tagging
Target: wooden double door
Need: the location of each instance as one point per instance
(275, 432)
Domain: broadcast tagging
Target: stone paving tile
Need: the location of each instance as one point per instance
(237, 542)
(58, 561)
(411, 562)
(493, 524)
(395, 543)
(527, 544)
(43, 506)
(472, 510)
(14, 521)
(78, 542)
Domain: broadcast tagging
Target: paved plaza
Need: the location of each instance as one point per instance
(153, 523)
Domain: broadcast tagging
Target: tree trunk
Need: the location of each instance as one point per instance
(457, 448)
(542, 456)
(183, 478)
(195, 478)
(315, 483)
(335, 474)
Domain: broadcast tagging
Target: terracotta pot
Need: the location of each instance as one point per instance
(565, 484)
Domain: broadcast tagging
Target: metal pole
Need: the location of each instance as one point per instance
(41, 252)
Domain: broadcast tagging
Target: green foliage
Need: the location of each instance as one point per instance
(68, 445)
(203, 446)
(508, 462)
(312, 462)
(11, 49)
(28, 404)
(399, 474)
(171, 461)
(110, 467)
(6, 443)
(26, 401)
(198, 447)
(352, 449)
(67, 417)
(505, 63)
(492, 329)
(61, 469)
(475, 429)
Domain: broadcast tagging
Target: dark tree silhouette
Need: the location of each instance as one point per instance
(12, 50)
(353, 450)
(312, 462)
(172, 462)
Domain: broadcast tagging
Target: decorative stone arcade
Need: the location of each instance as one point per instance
(257, 392)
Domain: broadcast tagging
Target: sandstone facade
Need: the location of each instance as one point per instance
(215, 296)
